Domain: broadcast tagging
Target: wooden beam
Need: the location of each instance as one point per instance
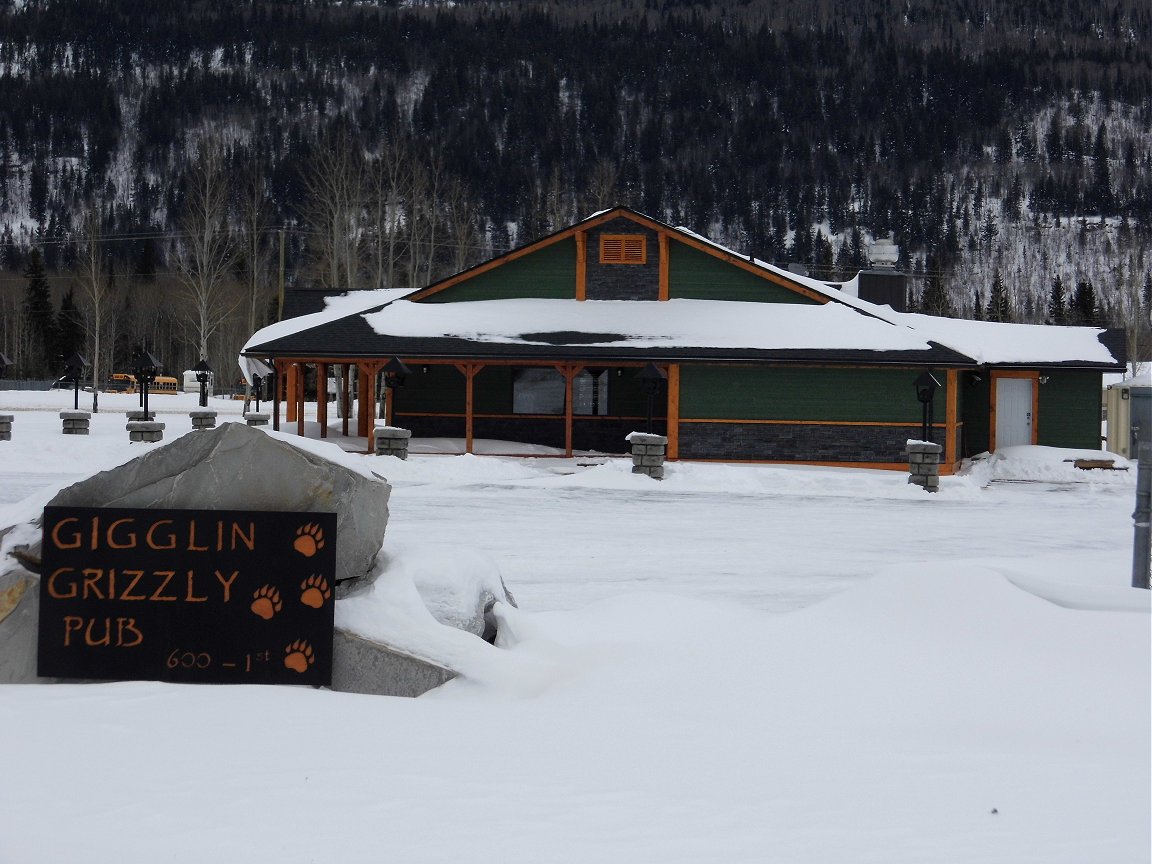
(673, 430)
(322, 398)
(569, 372)
(470, 372)
(345, 403)
(663, 236)
(301, 369)
(277, 389)
(950, 416)
(290, 395)
(581, 265)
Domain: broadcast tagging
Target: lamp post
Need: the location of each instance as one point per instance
(395, 373)
(147, 368)
(651, 376)
(74, 370)
(257, 387)
(926, 386)
(203, 373)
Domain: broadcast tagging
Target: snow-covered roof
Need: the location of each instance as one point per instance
(846, 323)
(640, 324)
(335, 307)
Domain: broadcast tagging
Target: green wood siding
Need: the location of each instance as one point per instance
(440, 390)
(546, 273)
(492, 390)
(1069, 409)
(696, 275)
(825, 394)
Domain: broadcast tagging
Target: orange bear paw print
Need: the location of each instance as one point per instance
(267, 602)
(298, 656)
(315, 591)
(309, 539)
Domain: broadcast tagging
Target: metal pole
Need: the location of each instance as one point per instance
(1141, 538)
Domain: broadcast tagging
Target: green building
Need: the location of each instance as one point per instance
(622, 323)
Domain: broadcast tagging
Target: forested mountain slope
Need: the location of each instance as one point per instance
(158, 161)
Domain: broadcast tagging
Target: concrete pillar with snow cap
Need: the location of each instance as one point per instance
(648, 452)
(924, 464)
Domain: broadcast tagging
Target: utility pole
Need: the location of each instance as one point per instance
(280, 306)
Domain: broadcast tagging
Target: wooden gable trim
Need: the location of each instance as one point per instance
(572, 231)
(748, 266)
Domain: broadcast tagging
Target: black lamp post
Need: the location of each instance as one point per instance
(651, 376)
(74, 370)
(257, 388)
(147, 368)
(926, 386)
(5, 363)
(395, 373)
(203, 373)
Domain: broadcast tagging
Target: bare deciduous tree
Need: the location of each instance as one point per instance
(206, 251)
(98, 300)
(334, 210)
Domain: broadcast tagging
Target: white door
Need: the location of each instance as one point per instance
(1013, 411)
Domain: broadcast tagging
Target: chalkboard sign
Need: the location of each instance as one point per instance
(212, 596)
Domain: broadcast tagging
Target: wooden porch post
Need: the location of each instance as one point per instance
(301, 371)
(950, 420)
(322, 398)
(469, 371)
(364, 403)
(569, 371)
(673, 412)
(277, 377)
(290, 394)
(345, 403)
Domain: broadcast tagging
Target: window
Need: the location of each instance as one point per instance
(541, 391)
(623, 249)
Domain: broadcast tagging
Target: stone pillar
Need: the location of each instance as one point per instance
(140, 415)
(76, 422)
(648, 453)
(6, 426)
(391, 441)
(255, 419)
(203, 419)
(924, 464)
(145, 430)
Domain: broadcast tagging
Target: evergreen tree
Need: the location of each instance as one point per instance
(41, 316)
(1083, 309)
(1099, 197)
(1057, 311)
(935, 299)
(999, 308)
(977, 306)
(69, 327)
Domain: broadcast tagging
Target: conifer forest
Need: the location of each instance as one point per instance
(166, 167)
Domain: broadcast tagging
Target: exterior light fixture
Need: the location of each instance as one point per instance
(147, 368)
(926, 386)
(203, 373)
(74, 370)
(651, 377)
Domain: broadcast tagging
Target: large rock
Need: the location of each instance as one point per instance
(236, 467)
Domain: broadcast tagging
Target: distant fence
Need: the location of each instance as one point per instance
(26, 383)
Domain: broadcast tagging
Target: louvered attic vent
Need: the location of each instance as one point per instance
(623, 249)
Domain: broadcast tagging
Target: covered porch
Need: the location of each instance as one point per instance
(567, 407)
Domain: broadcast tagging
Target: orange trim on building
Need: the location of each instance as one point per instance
(581, 265)
(996, 374)
(672, 412)
(664, 269)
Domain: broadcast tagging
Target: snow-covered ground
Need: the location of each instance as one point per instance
(737, 664)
